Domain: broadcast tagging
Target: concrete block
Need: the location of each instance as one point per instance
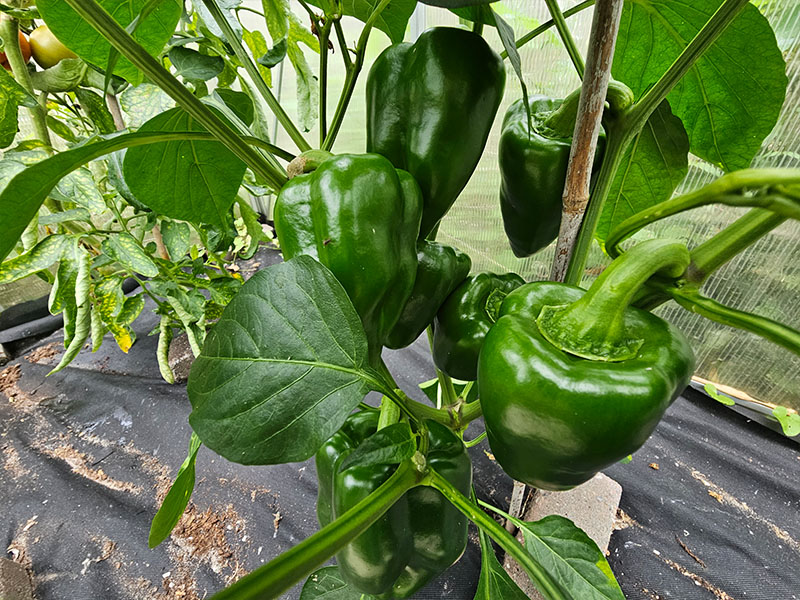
(15, 582)
(591, 506)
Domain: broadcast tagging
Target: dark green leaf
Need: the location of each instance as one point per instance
(495, 583)
(274, 55)
(177, 238)
(61, 129)
(63, 77)
(482, 13)
(80, 37)
(388, 446)
(194, 66)
(282, 369)
(392, 21)
(506, 33)
(176, 499)
(327, 584)
(124, 248)
(730, 99)
(653, 166)
(94, 107)
(571, 558)
(12, 95)
(187, 180)
(240, 103)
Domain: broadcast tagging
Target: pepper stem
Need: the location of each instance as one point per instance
(594, 326)
(561, 123)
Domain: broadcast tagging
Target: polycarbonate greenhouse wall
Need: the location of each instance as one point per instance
(764, 280)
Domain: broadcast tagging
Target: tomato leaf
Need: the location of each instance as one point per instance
(188, 180)
(282, 368)
(653, 166)
(80, 37)
(388, 446)
(41, 256)
(12, 95)
(124, 248)
(177, 498)
(731, 98)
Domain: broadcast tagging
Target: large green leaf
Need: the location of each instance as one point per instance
(495, 583)
(393, 20)
(282, 368)
(653, 166)
(327, 583)
(176, 499)
(80, 37)
(188, 180)
(388, 446)
(12, 95)
(730, 99)
(571, 558)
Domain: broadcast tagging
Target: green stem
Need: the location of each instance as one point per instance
(278, 575)
(692, 300)
(531, 35)
(593, 327)
(725, 190)
(566, 36)
(337, 24)
(323, 83)
(390, 413)
(9, 31)
(252, 70)
(101, 21)
(352, 76)
(624, 129)
(544, 583)
(445, 381)
(476, 441)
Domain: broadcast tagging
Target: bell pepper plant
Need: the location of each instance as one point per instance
(165, 117)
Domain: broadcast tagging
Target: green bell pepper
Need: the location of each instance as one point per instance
(572, 381)
(464, 320)
(430, 107)
(533, 168)
(419, 537)
(440, 269)
(358, 216)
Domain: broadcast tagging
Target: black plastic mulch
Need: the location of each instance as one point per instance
(709, 507)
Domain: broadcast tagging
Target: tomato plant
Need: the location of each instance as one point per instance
(167, 125)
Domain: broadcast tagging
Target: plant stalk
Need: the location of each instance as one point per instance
(278, 575)
(255, 76)
(104, 24)
(631, 122)
(602, 41)
(9, 31)
(544, 583)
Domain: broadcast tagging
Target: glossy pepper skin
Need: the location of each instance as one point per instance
(440, 269)
(553, 418)
(430, 107)
(533, 169)
(358, 216)
(419, 537)
(464, 320)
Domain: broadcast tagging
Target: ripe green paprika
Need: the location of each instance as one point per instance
(358, 216)
(464, 320)
(430, 107)
(572, 381)
(419, 537)
(440, 269)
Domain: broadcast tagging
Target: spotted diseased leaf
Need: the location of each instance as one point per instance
(143, 102)
(81, 325)
(177, 238)
(282, 368)
(124, 248)
(95, 108)
(131, 309)
(730, 99)
(12, 96)
(40, 257)
(108, 302)
(79, 187)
